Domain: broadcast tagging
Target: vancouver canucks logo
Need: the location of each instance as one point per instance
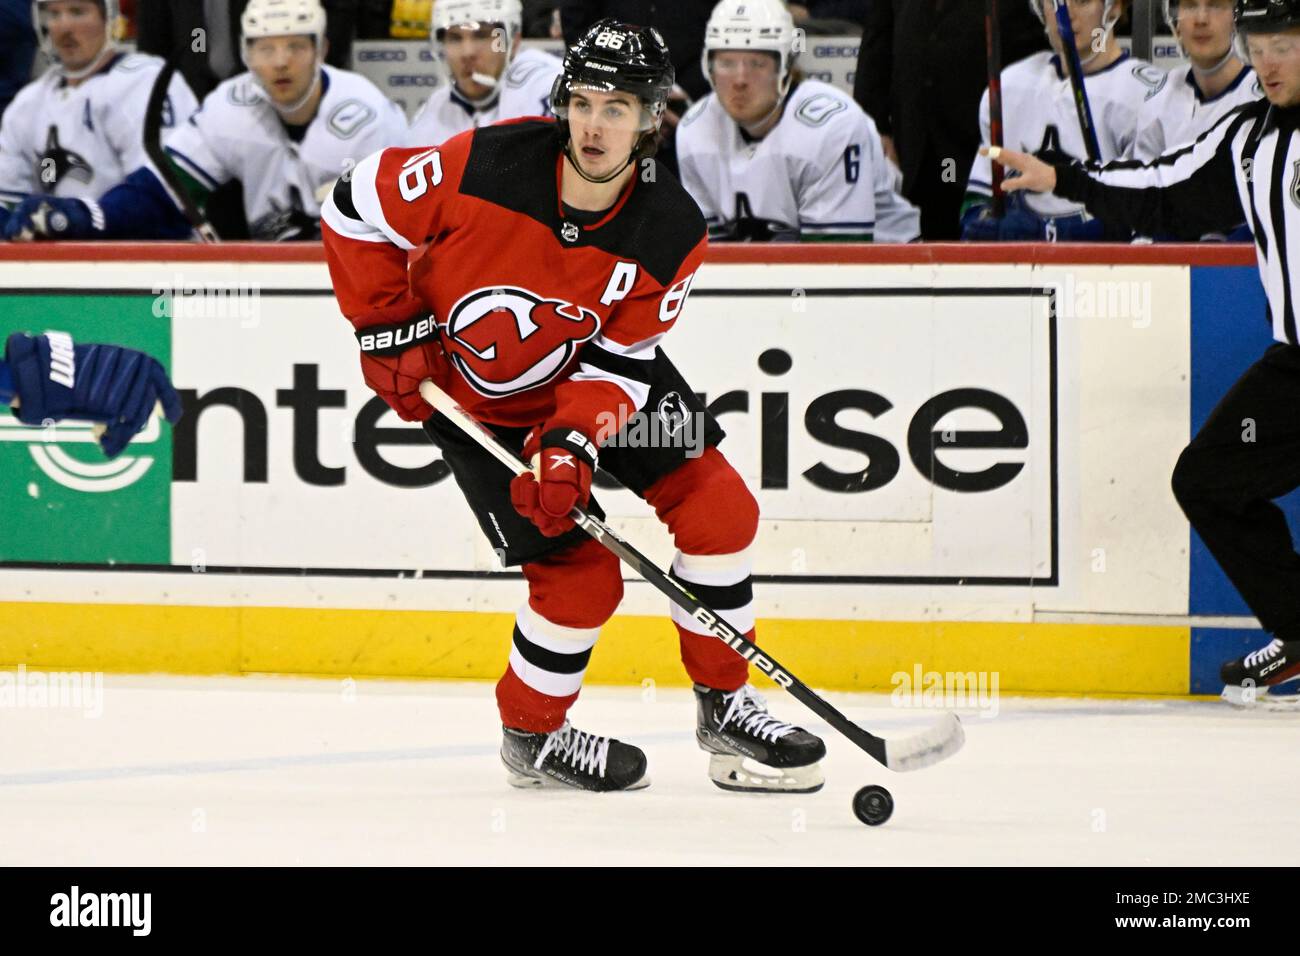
(286, 222)
(57, 163)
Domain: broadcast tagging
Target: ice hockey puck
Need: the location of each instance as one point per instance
(873, 805)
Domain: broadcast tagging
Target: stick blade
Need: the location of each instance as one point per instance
(927, 748)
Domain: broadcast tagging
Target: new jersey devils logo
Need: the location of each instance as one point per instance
(506, 339)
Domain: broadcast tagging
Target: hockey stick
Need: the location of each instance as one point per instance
(154, 148)
(1075, 70)
(993, 47)
(909, 753)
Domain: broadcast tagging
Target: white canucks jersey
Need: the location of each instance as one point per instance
(237, 134)
(1178, 113)
(1038, 112)
(820, 173)
(525, 91)
(81, 141)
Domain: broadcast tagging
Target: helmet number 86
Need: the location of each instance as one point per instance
(612, 40)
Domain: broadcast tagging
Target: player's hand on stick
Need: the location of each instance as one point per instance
(394, 372)
(1034, 174)
(117, 387)
(563, 460)
(52, 217)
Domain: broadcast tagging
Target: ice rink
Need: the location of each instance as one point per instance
(286, 771)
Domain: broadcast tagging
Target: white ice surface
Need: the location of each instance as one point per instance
(281, 771)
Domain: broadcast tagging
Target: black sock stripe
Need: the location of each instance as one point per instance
(549, 660)
(719, 597)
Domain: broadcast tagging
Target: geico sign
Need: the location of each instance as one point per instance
(927, 439)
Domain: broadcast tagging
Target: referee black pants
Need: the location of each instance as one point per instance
(1247, 454)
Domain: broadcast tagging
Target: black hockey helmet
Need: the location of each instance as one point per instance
(610, 56)
(1266, 16)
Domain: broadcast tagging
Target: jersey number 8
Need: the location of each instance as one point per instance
(414, 182)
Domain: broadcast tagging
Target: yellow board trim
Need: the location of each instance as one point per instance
(836, 655)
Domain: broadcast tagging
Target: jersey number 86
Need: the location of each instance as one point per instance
(414, 182)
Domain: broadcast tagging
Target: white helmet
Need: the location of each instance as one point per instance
(476, 14)
(284, 18)
(455, 13)
(111, 13)
(1171, 18)
(752, 25)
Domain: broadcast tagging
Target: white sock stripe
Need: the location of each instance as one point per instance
(741, 618)
(554, 637)
(718, 570)
(544, 681)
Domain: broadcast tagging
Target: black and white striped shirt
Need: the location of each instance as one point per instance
(1244, 169)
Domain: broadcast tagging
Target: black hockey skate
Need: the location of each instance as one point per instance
(1249, 681)
(572, 759)
(734, 726)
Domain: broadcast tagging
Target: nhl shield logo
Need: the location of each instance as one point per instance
(673, 412)
(1294, 191)
(569, 232)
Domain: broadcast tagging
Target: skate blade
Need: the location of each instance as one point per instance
(523, 781)
(1258, 698)
(741, 775)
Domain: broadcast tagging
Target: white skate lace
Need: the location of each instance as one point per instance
(748, 709)
(585, 752)
(1273, 649)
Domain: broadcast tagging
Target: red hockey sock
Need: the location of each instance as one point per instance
(525, 708)
(713, 518)
(570, 595)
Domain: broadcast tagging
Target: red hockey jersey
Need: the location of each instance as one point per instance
(542, 318)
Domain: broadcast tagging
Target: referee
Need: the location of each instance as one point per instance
(1225, 484)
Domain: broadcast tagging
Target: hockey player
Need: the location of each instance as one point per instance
(46, 378)
(1214, 81)
(770, 156)
(561, 254)
(492, 77)
(286, 129)
(1039, 116)
(1241, 169)
(77, 131)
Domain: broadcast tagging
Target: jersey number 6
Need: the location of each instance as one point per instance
(414, 182)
